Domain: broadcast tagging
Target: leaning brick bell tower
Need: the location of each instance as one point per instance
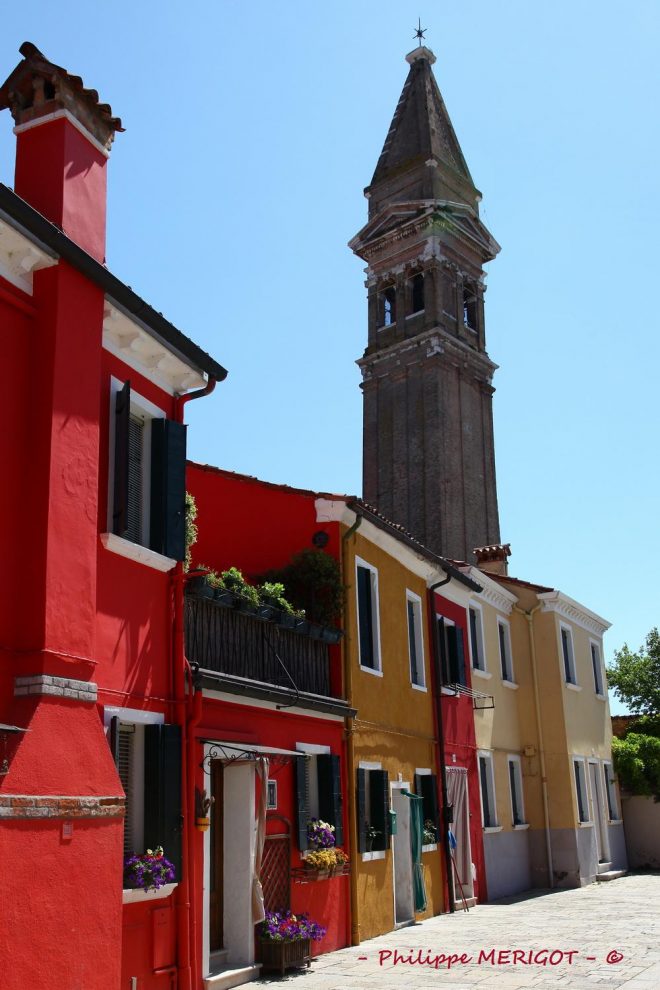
(429, 459)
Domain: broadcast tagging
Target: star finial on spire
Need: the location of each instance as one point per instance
(420, 31)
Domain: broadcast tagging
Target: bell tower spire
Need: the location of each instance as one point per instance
(429, 460)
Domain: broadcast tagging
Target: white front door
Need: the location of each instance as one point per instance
(402, 859)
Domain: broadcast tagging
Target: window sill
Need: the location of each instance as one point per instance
(478, 672)
(449, 692)
(601, 697)
(133, 551)
(572, 687)
(418, 312)
(431, 847)
(371, 670)
(418, 687)
(615, 821)
(511, 685)
(521, 828)
(135, 895)
(585, 824)
(370, 857)
(492, 828)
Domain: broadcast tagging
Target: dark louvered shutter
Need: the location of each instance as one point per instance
(301, 801)
(120, 491)
(330, 800)
(162, 791)
(444, 653)
(362, 810)
(460, 657)
(365, 618)
(168, 488)
(380, 807)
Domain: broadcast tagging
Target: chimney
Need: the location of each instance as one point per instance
(493, 559)
(64, 136)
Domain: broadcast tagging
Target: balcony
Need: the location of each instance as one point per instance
(240, 652)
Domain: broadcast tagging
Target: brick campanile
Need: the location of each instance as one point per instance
(429, 458)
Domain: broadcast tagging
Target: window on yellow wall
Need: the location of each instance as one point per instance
(568, 655)
(597, 668)
(581, 790)
(368, 618)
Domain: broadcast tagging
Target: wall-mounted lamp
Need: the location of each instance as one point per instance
(7, 734)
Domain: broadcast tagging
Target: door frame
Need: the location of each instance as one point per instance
(597, 812)
(400, 785)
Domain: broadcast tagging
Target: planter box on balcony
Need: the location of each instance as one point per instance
(280, 956)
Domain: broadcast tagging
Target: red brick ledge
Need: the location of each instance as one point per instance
(60, 806)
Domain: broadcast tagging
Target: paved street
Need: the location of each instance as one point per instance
(564, 928)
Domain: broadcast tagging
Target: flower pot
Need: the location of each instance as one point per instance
(223, 596)
(266, 611)
(202, 824)
(244, 604)
(287, 620)
(282, 955)
(330, 635)
(200, 587)
(314, 630)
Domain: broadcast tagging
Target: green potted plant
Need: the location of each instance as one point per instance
(246, 595)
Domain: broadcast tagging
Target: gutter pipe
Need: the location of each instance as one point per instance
(353, 914)
(439, 726)
(529, 615)
(184, 898)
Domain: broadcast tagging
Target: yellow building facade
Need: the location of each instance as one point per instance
(551, 812)
(392, 746)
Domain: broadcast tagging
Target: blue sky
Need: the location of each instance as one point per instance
(251, 131)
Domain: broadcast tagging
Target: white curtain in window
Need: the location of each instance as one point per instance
(258, 911)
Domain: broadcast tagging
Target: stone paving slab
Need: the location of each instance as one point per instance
(602, 937)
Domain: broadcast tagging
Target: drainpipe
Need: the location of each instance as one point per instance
(439, 727)
(529, 615)
(186, 955)
(353, 919)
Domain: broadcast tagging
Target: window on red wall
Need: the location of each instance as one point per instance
(452, 652)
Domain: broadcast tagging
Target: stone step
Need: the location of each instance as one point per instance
(611, 875)
(604, 867)
(218, 960)
(470, 901)
(225, 979)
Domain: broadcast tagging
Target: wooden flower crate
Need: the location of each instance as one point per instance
(283, 955)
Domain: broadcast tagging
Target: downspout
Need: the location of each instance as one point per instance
(186, 955)
(529, 615)
(439, 725)
(353, 919)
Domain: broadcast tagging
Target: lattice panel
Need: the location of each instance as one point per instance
(275, 867)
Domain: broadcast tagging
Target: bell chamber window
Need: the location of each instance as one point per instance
(147, 474)
(387, 307)
(469, 307)
(416, 293)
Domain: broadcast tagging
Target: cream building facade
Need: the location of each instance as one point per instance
(550, 805)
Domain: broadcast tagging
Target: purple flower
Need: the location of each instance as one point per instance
(150, 871)
(288, 927)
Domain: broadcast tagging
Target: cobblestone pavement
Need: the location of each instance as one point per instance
(622, 917)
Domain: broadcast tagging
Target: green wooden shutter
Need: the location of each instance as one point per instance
(302, 814)
(365, 617)
(460, 657)
(444, 655)
(168, 488)
(120, 488)
(330, 799)
(113, 739)
(362, 809)
(379, 793)
(430, 794)
(162, 791)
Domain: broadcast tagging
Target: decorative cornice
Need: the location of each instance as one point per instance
(20, 257)
(567, 608)
(436, 341)
(132, 343)
(491, 592)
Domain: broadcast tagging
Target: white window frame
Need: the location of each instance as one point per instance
(367, 857)
(479, 668)
(487, 755)
(610, 792)
(581, 763)
(416, 601)
(595, 645)
(375, 610)
(140, 552)
(506, 662)
(138, 719)
(311, 751)
(572, 681)
(514, 759)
